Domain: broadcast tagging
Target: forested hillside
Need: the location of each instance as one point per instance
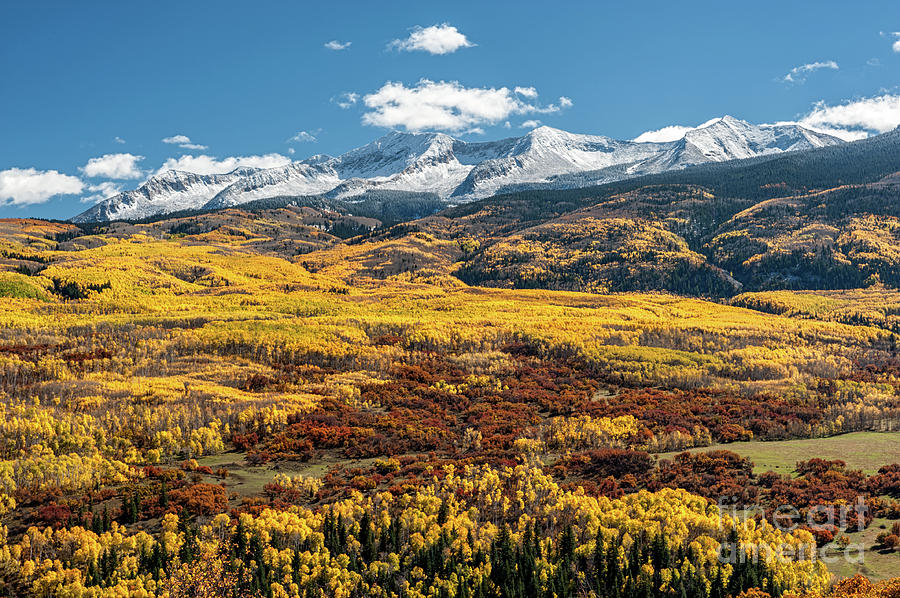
(823, 219)
(300, 398)
(819, 219)
(241, 403)
(340, 311)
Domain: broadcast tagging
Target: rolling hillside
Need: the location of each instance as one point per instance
(826, 218)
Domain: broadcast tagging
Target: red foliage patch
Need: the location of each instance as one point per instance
(199, 499)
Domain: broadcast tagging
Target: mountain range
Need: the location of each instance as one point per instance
(456, 171)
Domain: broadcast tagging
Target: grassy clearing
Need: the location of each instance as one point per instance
(247, 480)
(860, 450)
(874, 564)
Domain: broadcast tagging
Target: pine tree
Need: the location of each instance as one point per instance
(96, 524)
(503, 572)
(599, 572)
(367, 539)
(443, 513)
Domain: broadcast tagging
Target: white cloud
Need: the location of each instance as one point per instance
(183, 141)
(118, 139)
(114, 166)
(565, 102)
(530, 124)
(445, 105)
(101, 191)
(336, 45)
(203, 164)
(670, 133)
(526, 92)
(24, 186)
(856, 118)
(798, 73)
(346, 99)
(291, 151)
(437, 39)
(176, 139)
(844, 134)
(303, 137)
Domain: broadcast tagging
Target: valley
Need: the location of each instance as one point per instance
(449, 299)
(160, 376)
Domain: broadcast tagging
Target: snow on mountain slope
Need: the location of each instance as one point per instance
(298, 178)
(393, 153)
(164, 193)
(455, 170)
(546, 152)
(419, 162)
(730, 139)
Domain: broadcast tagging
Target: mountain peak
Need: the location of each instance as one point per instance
(730, 138)
(394, 136)
(728, 121)
(169, 175)
(457, 170)
(545, 130)
(412, 139)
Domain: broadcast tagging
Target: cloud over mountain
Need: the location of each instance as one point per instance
(114, 166)
(856, 118)
(204, 164)
(448, 106)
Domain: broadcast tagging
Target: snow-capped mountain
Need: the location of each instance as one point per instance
(455, 170)
(731, 139)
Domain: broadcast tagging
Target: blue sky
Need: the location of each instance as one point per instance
(109, 81)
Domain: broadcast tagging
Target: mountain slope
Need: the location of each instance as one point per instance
(826, 218)
(822, 219)
(454, 170)
(164, 193)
